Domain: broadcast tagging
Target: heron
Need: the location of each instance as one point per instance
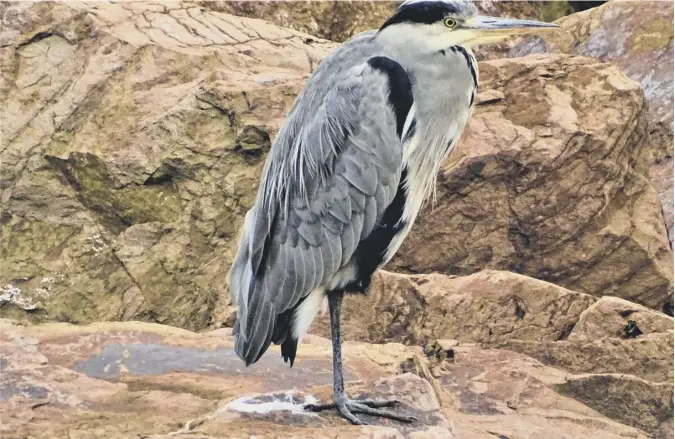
(348, 173)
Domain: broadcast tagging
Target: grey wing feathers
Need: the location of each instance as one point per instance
(332, 172)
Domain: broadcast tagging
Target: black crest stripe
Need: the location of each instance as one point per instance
(400, 88)
(422, 12)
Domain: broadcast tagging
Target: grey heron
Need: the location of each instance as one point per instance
(349, 172)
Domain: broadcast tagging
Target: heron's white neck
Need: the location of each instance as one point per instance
(443, 90)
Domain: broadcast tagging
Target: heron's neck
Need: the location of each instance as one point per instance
(444, 85)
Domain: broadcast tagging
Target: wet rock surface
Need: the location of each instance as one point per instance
(118, 380)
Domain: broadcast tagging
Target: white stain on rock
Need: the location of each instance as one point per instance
(293, 402)
(13, 295)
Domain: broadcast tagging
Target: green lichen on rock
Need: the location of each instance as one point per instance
(118, 207)
(22, 238)
(654, 37)
(553, 10)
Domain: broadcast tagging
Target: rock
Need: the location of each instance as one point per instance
(648, 357)
(651, 403)
(340, 20)
(547, 182)
(337, 21)
(133, 138)
(665, 431)
(487, 307)
(638, 37)
(126, 174)
(133, 379)
(613, 317)
(508, 388)
(623, 350)
(569, 330)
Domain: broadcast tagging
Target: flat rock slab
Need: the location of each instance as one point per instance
(130, 380)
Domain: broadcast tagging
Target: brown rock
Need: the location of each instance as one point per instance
(125, 175)
(547, 182)
(330, 20)
(665, 431)
(559, 327)
(519, 397)
(649, 357)
(133, 135)
(487, 307)
(638, 37)
(569, 331)
(612, 317)
(651, 403)
(340, 20)
(131, 379)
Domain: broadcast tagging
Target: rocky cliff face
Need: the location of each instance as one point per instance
(133, 136)
(638, 37)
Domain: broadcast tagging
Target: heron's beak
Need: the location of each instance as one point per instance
(504, 25)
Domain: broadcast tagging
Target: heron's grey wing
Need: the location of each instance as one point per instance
(332, 172)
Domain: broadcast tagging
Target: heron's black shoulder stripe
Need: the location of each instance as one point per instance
(426, 12)
(400, 88)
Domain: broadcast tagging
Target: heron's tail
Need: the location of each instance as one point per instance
(256, 315)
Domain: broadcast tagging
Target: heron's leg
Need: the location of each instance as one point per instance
(346, 406)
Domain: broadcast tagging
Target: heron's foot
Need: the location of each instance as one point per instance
(347, 407)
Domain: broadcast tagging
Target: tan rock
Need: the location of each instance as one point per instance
(133, 134)
(330, 20)
(612, 317)
(340, 20)
(651, 403)
(118, 380)
(649, 357)
(569, 331)
(125, 174)
(638, 37)
(611, 336)
(486, 307)
(547, 182)
(665, 431)
(516, 394)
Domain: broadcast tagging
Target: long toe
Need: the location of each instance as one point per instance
(377, 403)
(356, 407)
(319, 407)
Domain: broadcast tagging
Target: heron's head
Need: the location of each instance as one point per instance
(438, 24)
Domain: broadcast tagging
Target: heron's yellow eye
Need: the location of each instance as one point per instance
(450, 22)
